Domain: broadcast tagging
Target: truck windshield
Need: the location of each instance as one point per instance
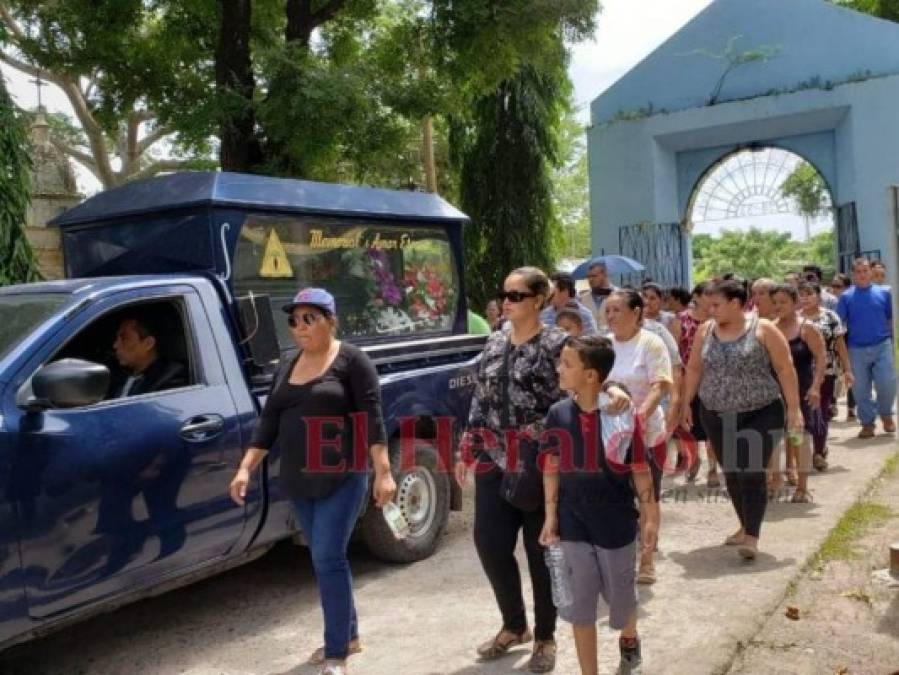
(20, 314)
(386, 279)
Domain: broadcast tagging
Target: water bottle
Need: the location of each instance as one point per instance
(617, 429)
(558, 574)
(396, 521)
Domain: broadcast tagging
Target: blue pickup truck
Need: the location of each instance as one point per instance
(107, 498)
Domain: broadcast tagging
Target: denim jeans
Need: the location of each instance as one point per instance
(873, 365)
(327, 525)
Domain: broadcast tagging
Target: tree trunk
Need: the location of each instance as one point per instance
(235, 84)
(427, 153)
(300, 22)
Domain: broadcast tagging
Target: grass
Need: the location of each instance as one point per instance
(891, 467)
(852, 526)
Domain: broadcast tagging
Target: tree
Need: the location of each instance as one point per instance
(807, 188)
(882, 9)
(756, 253)
(750, 254)
(571, 190)
(115, 60)
(505, 180)
(508, 71)
(17, 264)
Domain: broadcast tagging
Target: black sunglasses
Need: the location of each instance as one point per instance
(309, 318)
(515, 296)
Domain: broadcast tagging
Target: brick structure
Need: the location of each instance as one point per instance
(53, 191)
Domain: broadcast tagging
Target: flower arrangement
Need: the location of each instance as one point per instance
(427, 294)
(386, 291)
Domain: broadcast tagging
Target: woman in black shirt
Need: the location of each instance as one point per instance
(327, 396)
(517, 383)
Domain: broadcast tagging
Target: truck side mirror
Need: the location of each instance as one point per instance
(67, 383)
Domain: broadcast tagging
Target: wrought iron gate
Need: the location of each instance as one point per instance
(662, 247)
(848, 245)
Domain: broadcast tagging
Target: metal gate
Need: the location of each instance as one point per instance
(848, 245)
(662, 247)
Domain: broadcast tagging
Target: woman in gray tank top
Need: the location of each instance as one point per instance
(733, 365)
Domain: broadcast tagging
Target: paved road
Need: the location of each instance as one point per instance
(425, 619)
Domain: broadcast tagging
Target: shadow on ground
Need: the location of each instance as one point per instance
(712, 562)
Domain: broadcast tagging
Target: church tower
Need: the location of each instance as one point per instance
(53, 191)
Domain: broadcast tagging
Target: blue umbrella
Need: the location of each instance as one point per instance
(615, 264)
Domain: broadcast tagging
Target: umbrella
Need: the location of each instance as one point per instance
(615, 264)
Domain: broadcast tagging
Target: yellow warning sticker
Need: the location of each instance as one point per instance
(275, 264)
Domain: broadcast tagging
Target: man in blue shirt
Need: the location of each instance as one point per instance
(867, 312)
(563, 297)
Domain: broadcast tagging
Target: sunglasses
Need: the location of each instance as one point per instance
(308, 318)
(515, 296)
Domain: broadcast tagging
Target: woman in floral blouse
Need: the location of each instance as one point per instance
(831, 328)
(522, 360)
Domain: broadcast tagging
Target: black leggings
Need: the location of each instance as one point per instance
(496, 527)
(744, 443)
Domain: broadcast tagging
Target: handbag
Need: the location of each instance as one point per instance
(521, 486)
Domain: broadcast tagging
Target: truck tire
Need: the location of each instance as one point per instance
(423, 495)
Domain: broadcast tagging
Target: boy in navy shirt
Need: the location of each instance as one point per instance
(591, 490)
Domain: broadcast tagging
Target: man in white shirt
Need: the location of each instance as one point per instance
(600, 289)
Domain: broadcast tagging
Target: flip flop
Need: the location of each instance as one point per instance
(494, 649)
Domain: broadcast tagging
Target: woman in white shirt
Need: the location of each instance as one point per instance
(642, 364)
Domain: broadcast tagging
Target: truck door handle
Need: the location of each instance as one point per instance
(202, 428)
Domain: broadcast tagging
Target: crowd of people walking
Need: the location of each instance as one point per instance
(580, 399)
(752, 369)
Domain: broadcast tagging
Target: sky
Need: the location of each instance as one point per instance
(627, 32)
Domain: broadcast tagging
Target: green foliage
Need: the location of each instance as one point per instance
(505, 176)
(137, 54)
(17, 264)
(483, 43)
(734, 59)
(571, 192)
(806, 186)
(756, 253)
(882, 9)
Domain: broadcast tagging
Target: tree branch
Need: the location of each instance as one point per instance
(28, 69)
(151, 138)
(93, 131)
(159, 166)
(76, 154)
(12, 24)
(327, 12)
(142, 115)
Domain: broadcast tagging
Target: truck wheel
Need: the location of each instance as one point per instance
(423, 495)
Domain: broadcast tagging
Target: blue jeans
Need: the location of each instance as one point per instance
(327, 525)
(873, 365)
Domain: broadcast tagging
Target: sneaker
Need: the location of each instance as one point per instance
(889, 426)
(867, 431)
(631, 662)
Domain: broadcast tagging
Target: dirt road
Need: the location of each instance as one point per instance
(426, 619)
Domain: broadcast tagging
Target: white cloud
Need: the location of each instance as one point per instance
(627, 32)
